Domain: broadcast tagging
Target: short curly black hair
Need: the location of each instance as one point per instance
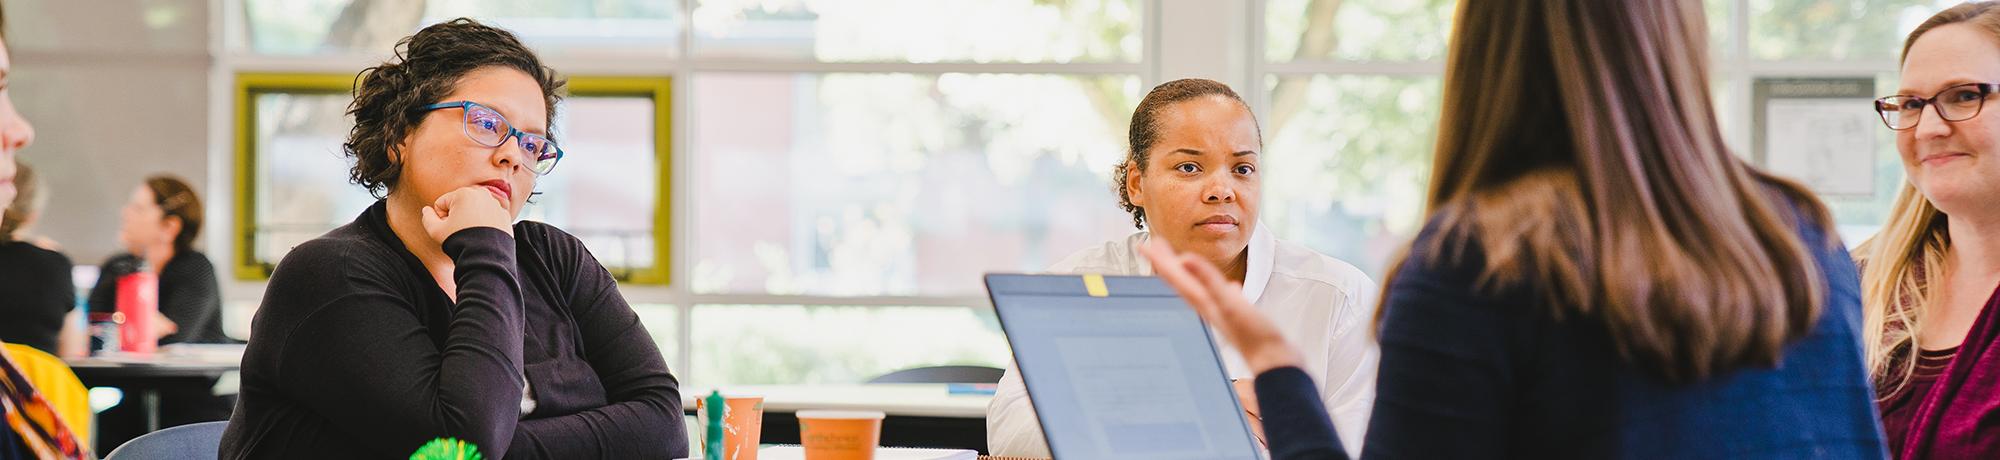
(388, 98)
(1145, 131)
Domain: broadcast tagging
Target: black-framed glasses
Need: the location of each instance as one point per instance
(486, 127)
(1954, 104)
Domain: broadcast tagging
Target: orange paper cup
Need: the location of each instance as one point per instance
(742, 426)
(840, 435)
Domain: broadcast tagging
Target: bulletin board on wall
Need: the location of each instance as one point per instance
(1818, 131)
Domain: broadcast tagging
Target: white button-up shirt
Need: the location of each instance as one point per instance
(1322, 305)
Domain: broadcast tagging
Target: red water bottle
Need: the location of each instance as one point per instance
(138, 302)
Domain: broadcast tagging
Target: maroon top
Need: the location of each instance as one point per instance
(1900, 408)
(1959, 417)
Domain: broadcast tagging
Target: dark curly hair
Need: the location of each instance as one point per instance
(1145, 131)
(427, 66)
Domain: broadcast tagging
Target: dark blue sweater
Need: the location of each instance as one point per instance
(1465, 375)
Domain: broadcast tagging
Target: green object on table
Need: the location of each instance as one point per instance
(447, 449)
(717, 409)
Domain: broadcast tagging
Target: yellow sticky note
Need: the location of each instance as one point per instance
(1095, 284)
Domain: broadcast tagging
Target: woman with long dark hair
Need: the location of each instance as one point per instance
(1598, 277)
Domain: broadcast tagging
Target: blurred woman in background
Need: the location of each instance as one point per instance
(39, 297)
(158, 228)
(159, 225)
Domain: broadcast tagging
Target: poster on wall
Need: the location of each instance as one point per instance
(1818, 131)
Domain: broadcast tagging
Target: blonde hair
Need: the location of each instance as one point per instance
(1894, 286)
(1898, 261)
(1579, 150)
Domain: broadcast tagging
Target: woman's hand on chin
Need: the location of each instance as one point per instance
(465, 208)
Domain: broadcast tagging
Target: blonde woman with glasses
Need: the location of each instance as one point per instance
(1929, 277)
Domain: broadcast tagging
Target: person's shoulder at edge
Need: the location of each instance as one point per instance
(120, 261)
(1298, 261)
(48, 268)
(1448, 249)
(1437, 250)
(543, 236)
(194, 261)
(350, 253)
(552, 247)
(309, 282)
(326, 268)
(1794, 201)
(1813, 223)
(41, 255)
(1113, 257)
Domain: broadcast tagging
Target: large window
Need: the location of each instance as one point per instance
(1351, 96)
(611, 28)
(291, 176)
(1827, 38)
(857, 184)
(293, 181)
(919, 31)
(843, 173)
(857, 165)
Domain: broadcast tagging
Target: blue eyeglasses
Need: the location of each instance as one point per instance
(486, 127)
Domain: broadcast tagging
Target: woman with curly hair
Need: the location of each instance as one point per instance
(434, 314)
(1191, 180)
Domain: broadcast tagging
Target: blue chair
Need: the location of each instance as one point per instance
(196, 441)
(943, 374)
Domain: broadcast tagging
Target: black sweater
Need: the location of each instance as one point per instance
(189, 295)
(35, 294)
(356, 353)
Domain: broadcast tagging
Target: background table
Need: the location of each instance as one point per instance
(172, 367)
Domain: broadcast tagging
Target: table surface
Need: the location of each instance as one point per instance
(171, 360)
(894, 399)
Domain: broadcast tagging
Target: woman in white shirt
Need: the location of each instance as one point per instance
(1191, 179)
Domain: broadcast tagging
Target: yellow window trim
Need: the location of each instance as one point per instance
(251, 85)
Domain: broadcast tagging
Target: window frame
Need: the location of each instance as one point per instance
(250, 85)
(1732, 68)
(660, 90)
(677, 248)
